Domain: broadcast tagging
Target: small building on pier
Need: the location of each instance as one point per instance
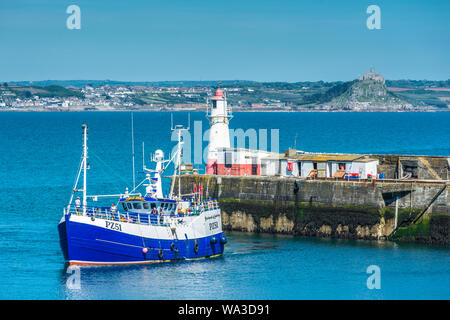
(325, 165)
(244, 162)
(248, 162)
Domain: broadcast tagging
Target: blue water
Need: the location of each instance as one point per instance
(40, 153)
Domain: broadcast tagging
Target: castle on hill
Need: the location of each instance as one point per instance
(372, 76)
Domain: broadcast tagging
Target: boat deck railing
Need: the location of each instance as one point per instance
(161, 219)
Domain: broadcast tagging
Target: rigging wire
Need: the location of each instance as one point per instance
(112, 170)
(75, 183)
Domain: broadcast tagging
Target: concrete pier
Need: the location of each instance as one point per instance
(331, 208)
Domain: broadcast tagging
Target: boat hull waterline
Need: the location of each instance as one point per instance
(87, 241)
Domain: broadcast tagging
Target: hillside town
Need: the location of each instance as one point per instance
(122, 97)
(104, 97)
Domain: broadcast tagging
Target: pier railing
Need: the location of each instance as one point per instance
(160, 218)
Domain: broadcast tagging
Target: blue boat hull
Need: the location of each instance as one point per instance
(86, 244)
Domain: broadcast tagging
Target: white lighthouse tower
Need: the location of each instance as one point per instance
(219, 115)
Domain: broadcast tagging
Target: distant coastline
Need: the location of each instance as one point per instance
(234, 111)
(368, 93)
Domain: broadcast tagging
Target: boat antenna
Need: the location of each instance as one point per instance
(83, 167)
(85, 128)
(132, 149)
(143, 155)
(178, 129)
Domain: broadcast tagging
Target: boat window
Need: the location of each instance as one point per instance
(124, 205)
(129, 205)
(170, 206)
(153, 205)
(137, 205)
(145, 204)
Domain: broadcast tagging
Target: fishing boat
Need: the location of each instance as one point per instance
(141, 227)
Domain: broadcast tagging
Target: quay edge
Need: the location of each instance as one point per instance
(331, 208)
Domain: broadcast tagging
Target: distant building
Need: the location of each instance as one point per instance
(372, 76)
(258, 105)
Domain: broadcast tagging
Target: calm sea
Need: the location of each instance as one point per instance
(40, 153)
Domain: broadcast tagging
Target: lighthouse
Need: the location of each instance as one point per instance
(219, 115)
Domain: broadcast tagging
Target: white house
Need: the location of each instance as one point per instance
(365, 167)
(336, 165)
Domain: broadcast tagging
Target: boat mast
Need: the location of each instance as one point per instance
(179, 129)
(179, 164)
(176, 165)
(85, 128)
(132, 150)
(143, 157)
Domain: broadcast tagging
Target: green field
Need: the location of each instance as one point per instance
(53, 91)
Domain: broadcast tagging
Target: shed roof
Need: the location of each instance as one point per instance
(365, 160)
(322, 157)
(274, 156)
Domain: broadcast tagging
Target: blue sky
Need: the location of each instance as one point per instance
(275, 40)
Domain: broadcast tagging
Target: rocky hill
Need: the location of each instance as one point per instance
(369, 93)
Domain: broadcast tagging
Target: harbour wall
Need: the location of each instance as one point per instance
(330, 208)
(420, 167)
